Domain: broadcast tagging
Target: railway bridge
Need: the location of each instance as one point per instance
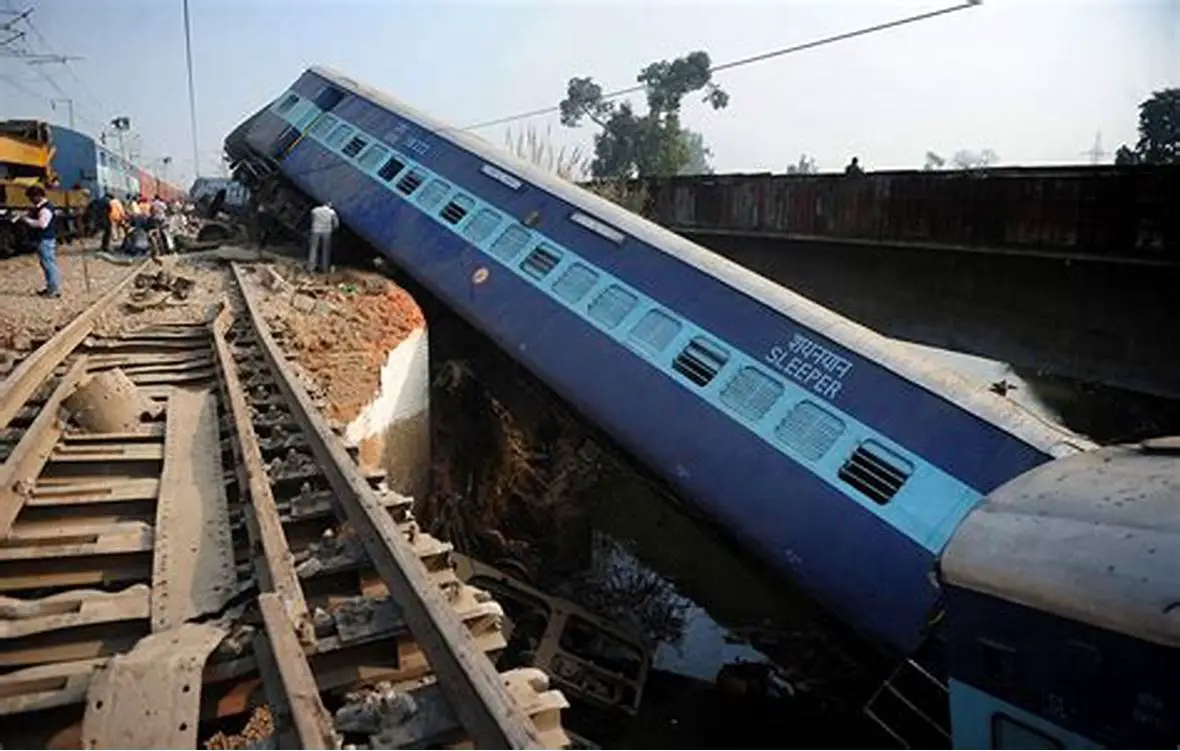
(1072, 272)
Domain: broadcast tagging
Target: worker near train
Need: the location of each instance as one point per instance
(43, 223)
(323, 223)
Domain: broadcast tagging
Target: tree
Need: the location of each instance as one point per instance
(654, 144)
(934, 161)
(1159, 131)
(966, 159)
(805, 166)
(698, 154)
(1126, 156)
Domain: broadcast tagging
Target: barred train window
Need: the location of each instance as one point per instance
(410, 182)
(700, 361)
(457, 208)
(575, 283)
(541, 261)
(655, 331)
(612, 306)
(391, 169)
(354, 146)
(751, 393)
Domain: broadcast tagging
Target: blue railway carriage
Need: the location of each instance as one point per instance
(79, 160)
(843, 463)
(1063, 606)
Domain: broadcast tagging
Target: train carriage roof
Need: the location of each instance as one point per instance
(1093, 537)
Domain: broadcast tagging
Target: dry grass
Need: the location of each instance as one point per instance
(573, 165)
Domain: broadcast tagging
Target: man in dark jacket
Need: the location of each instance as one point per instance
(43, 223)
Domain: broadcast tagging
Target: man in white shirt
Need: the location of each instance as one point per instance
(42, 221)
(323, 223)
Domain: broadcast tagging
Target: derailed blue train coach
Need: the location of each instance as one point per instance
(843, 463)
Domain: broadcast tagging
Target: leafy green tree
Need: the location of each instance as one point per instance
(1159, 131)
(654, 144)
(805, 166)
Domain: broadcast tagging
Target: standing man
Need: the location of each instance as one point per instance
(323, 223)
(43, 222)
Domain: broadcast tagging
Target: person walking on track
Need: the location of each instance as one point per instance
(323, 223)
(43, 222)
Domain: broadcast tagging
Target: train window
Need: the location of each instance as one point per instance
(612, 306)
(509, 244)
(809, 429)
(700, 361)
(458, 207)
(433, 194)
(655, 331)
(338, 136)
(541, 261)
(1010, 733)
(751, 393)
(481, 226)
(875, 471)
(328, 97)
(324, 126)
(573, 285)
(372, 156)
(391, 169)
(287, 104)
(410, 182)
(354, 146)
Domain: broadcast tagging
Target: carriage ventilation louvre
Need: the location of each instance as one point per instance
(809, 429)
(574, 283)
(612, 306)
(750, 393)
(875, 472)
(655, 331)
(540, 262)
(700, 361)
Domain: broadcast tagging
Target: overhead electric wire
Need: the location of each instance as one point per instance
(747, 60)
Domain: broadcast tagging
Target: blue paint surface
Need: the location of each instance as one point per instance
(979, 720)
(603, 320)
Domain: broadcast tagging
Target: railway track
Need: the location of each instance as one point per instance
(190, 557)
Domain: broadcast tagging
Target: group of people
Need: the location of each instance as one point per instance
(130, 222)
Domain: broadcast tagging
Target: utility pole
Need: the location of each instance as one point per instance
(192, 92)
(1096, 152)
(69, 108)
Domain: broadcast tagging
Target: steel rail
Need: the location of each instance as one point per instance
(474, 689)
(24, 381)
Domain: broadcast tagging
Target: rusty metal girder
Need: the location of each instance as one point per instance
(193, 564)
(151, 696)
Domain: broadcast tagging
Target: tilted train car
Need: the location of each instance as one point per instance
(843, 463)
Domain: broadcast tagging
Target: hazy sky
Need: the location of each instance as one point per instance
(1034, 80)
